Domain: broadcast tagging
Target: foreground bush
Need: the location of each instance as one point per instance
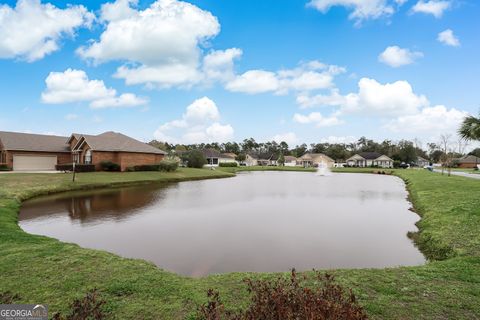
(290, 299)
(109, 166)
(228, 164)
(78, 167)
(4, 167)
(164, 165)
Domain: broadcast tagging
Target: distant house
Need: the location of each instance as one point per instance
(251, 160)
(468, 161)
(290, 161)
(212, 156)
(422, 162)
(267, 160)
(228, 158)
(33, 152)
(314, 160)
(368, 159)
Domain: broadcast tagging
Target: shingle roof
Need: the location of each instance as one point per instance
(33, 142)
(469, 159)
(117, 142)
(211, 153)
(370, 155)
(290, 158)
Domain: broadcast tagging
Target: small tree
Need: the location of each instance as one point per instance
(241, 157)
(194, 159)
(281, 159)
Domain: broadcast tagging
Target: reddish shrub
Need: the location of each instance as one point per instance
(290, 299)
(88, 307)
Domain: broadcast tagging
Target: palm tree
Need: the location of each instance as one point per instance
(470, 129)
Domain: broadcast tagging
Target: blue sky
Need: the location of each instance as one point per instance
(300, 71)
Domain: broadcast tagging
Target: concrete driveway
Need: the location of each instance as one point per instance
(460, 173)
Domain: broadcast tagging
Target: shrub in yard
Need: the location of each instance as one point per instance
(228, 164)
(290, 299)
(168, 165)
(78, 167)
(194, 159)
(88, 307)
(109, 166)
(146, 167)
(4, 167)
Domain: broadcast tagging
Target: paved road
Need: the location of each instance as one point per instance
(462, 174)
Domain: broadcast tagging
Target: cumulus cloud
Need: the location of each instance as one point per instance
(288, 137)
(313, 75)
(199, 123)
(361, 9)
(433, 7)
(31, 30)
(75, 86)
(448, 38)
(337, 139)
(162, 44)
(395, 56)
(317, 119)
(373, 98)
(430, 120)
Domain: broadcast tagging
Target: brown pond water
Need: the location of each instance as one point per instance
(257, 221)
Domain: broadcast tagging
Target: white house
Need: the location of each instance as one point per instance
(290, 161)
(314, 160)
(368, 159)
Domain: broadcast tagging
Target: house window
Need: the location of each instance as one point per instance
(88, 157)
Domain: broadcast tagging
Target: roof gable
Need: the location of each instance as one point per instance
(18, 141)
(116, 142)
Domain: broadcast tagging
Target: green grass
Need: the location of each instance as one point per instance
(44, 270)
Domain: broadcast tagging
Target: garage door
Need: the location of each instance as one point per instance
(34, 163)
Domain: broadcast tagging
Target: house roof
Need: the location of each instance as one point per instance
(469, 159)
(290, 158)
(370, 155)
(33, 142)
(117, 142)
(422, 159)
(312, 156)
(211, 153)
(229, 155)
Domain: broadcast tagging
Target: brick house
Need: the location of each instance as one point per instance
(22, 151)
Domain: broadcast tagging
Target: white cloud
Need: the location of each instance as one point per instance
(361, 9)
(161, 43)
(219, 64)
(74, 86)
(33, 30)
(395, 56)
(308, 76)
(433, 7)
(318, 119)
(388, 99)
(332, 99)
(448, 38)
(199, 123)
(430, 120)
(336, 139)
(288, 137)
(71, 116)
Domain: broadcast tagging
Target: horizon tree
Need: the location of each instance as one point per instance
(470, 128)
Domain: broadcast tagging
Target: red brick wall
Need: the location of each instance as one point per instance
(100, 156)
(467, 165)
(62, 157)
(129, 159)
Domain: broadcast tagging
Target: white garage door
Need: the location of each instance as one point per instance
(34, 163)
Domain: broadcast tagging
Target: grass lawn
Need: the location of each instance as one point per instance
(43, 270)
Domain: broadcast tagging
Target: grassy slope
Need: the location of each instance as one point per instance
(44, 270)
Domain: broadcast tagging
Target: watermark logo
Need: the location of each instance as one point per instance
(23, 312)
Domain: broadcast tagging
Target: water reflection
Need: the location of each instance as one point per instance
(262, 221)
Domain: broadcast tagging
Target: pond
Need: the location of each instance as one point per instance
(256, 221)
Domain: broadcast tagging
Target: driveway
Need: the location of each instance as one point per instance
(461, 174)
